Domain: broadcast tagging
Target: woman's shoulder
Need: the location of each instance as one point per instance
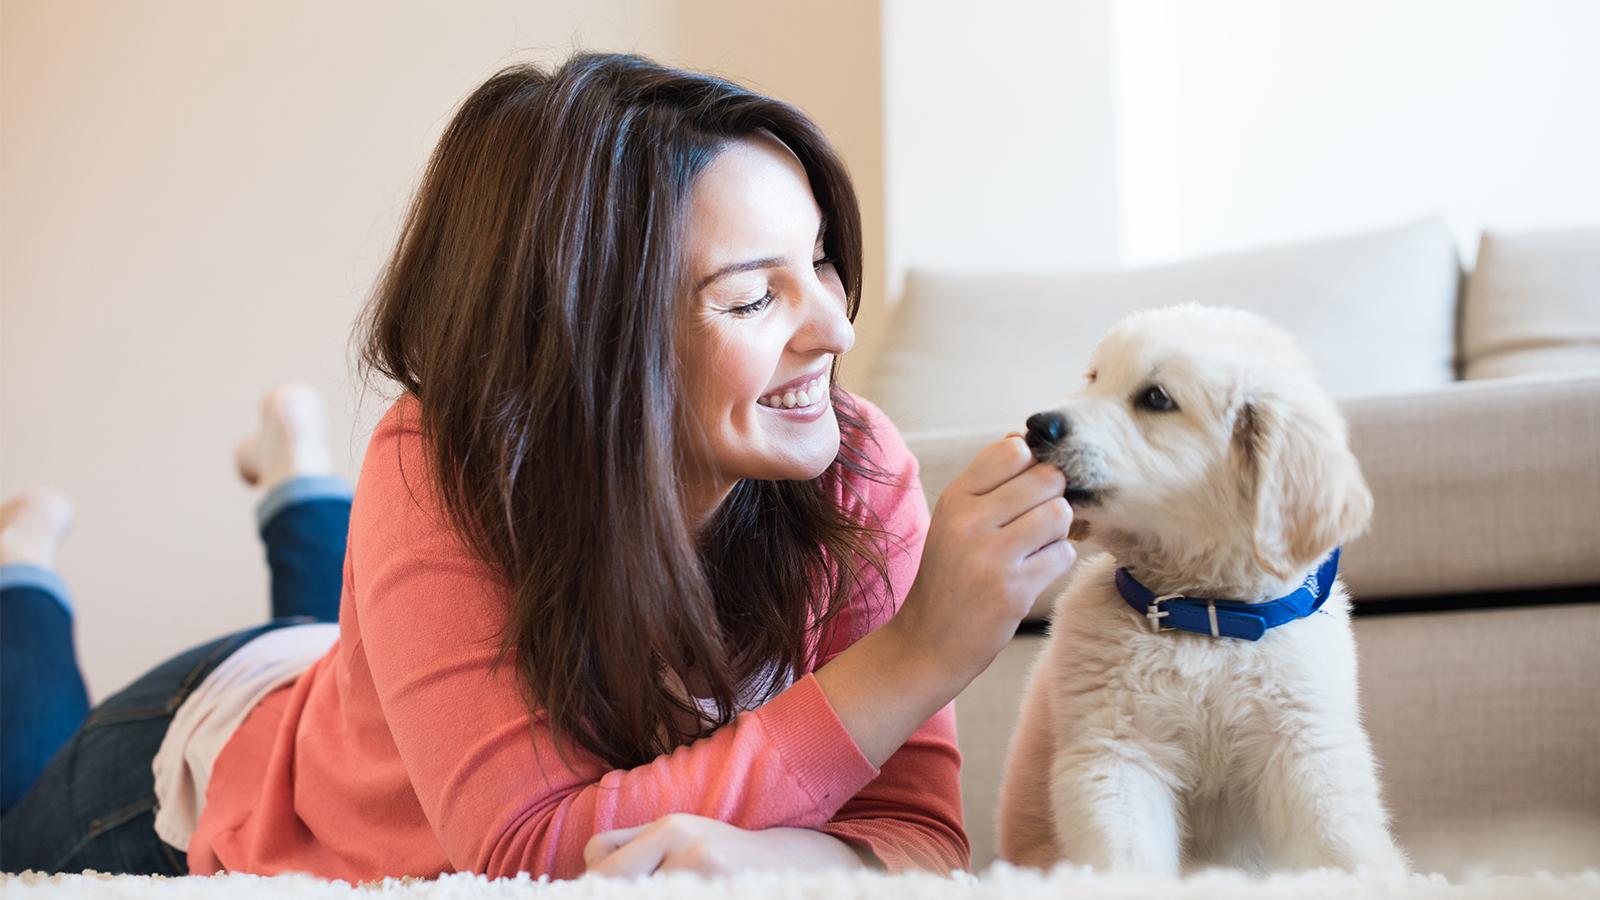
(397, 435)
(404, 416)
(397, 471)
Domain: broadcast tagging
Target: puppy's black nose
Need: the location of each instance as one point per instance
(1046, 428)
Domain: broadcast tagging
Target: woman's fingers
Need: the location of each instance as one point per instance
(1050, 562)
(995, 465)
(1038, 484)
(1039, 527)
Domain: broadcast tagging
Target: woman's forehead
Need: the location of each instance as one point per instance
(752, 201)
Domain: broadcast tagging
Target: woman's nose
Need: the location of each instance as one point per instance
(826, 326)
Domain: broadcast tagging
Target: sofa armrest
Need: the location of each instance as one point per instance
(1478, 486)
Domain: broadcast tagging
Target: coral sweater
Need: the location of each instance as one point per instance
(405, 751)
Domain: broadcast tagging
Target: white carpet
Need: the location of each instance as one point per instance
(1000, 882)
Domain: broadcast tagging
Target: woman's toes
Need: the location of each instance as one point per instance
(32, 524)
(291, 441)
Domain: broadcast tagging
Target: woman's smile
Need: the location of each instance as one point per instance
(805, 405)
(802, 393)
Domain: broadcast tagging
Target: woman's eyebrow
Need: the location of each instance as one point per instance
(771, 262)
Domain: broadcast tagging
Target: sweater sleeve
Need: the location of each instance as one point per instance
(428, 614)
(910, 815)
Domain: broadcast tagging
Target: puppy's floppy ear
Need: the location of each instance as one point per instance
(1304, 482)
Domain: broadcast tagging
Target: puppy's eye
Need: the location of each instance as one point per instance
(1091, 376)
(1155, 399)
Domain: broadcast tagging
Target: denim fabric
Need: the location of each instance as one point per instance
(42, 694)
(303, 524)
(93, 805)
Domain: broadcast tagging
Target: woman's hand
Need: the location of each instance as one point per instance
(997, 539)
(681, 842)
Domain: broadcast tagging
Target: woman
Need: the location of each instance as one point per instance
(631, 585)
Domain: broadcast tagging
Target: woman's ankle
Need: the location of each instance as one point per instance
(300, 489)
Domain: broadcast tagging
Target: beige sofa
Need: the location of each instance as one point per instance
(1474, 406)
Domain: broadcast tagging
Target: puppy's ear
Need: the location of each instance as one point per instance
(1304, 483)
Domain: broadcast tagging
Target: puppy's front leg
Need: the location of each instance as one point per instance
(1319, 805)
(1115, 807)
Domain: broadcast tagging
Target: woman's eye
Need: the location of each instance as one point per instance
(824, 261)
(1154, 398)
(752, 308)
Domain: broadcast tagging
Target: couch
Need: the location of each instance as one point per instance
(1474, 407)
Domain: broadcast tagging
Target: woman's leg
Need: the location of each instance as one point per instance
(305, 515)
(93, 805)
(42, 696)
(304, 523)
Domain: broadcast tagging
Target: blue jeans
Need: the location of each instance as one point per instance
(76, 789)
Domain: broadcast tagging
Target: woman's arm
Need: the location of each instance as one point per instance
(893, 696)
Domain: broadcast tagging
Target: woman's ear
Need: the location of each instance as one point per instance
(1303, 482)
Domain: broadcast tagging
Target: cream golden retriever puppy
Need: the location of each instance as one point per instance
(1196, 701)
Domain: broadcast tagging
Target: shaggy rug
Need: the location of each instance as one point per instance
(1000, 882)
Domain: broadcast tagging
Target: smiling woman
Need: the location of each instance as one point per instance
(632, 584)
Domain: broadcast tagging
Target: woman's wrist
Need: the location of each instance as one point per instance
(884, 686)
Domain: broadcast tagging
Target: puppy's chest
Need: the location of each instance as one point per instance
(1206, 694)
(1185, 679)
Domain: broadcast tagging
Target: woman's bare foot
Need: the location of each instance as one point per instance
(32, 524)
(292, 439)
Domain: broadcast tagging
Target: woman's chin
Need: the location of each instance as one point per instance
(804, 466)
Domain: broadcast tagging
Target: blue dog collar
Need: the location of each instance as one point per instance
(1229, 618)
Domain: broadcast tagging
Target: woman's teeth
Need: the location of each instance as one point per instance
(811, 392)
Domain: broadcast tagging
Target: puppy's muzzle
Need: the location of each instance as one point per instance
(1047, 438)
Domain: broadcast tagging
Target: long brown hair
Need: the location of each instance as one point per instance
(531, 305)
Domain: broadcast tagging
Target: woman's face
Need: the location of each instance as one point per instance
(766, 317)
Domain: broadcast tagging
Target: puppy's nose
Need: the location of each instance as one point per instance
(1046, 428)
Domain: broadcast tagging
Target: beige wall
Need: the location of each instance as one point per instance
(1244, 122)
(194, 197)
(999, 136)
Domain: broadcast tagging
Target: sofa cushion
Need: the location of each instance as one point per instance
(1533, 304)
(1376, 313)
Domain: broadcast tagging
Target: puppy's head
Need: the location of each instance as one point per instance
(1201, 440)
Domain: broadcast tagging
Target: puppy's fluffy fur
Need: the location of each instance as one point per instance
(1162, 752)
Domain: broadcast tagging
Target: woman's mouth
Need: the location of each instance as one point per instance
(812, 393)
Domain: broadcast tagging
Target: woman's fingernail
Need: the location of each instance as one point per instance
(1013, 434)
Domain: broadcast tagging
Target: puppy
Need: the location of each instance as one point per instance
(1205, 458)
